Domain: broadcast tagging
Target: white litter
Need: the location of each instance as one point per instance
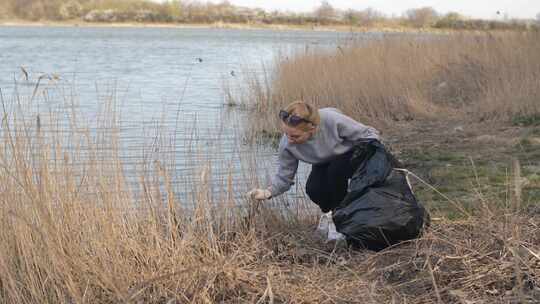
(327, 228)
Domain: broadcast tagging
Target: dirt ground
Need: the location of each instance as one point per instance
(465, 160)
(490, 256)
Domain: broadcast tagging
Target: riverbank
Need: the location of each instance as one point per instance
(222, 25)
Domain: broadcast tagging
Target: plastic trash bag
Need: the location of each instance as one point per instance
(380, 208)
(373, 164)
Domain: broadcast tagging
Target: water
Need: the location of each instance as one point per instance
(167, 77)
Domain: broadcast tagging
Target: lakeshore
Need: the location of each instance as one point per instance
(222, 25)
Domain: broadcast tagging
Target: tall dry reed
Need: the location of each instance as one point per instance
(404, 77)
(73, 230)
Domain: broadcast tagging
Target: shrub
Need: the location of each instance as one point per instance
(70, 10)
(526, 120)
(450, 20)
(422, 17)
(325, 13)
(367, 17)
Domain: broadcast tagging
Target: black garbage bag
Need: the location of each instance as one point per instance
(380, 209)
(373, 164)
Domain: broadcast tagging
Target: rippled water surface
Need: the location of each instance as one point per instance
(156, 79)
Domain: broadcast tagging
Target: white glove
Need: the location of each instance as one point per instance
(259, 194)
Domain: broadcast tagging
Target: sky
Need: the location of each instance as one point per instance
(486, 9)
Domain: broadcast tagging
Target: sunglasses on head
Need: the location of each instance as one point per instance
(291, 119)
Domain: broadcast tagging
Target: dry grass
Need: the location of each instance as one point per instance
(73, 230)
(473, 77)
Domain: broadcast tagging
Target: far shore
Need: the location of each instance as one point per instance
(217, 25)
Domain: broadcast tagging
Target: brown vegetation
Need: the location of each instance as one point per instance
(422, 17)
(400, 78)
(73, 231)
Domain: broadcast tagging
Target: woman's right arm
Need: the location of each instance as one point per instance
(287, 167)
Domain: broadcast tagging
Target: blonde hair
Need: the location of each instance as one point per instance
(306, 111)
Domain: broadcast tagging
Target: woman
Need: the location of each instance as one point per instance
(324, 138)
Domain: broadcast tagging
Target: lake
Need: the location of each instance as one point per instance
(168, 79)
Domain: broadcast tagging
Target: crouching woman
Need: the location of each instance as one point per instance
(324, 138)
(378, 209)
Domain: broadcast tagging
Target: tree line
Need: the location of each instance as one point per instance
(186, 11)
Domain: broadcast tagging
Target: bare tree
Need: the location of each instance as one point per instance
(370, 16)
(422, 17)
(325, 12)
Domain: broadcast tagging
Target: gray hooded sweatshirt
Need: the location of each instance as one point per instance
(336, 135)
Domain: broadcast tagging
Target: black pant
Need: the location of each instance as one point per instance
(327, 183)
